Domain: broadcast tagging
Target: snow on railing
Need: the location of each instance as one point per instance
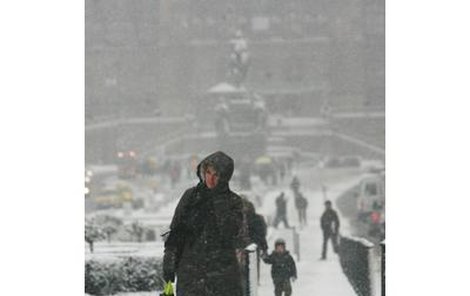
(250, 270)
(357, 262)
(296, 240)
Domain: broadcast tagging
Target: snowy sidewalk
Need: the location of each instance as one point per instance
(315, 277)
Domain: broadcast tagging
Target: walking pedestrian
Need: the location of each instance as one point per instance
(257, 230)
(330, 226)
(200, 248)
(282, 170)
(281, 211)
(295, 183)
(283, 269)
(301, 204)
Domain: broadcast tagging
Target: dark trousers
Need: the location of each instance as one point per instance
(280, 218)
(282, 286)
(334, 239)
(302, 216)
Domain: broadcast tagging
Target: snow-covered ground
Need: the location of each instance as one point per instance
(315, 277)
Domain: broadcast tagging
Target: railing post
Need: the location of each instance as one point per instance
(296, 240)
(373, 272)
(356, 262)
(382, 253)
(251, 270)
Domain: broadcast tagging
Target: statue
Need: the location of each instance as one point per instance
(239, 59)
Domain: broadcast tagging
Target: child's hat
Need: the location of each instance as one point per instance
(279, 241)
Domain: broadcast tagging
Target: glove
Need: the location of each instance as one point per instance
(293, 278)
(168, 289)
(263, 255)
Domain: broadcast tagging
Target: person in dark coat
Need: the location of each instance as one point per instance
(295, 184)
(301, 204)
(200, 248)
(281, 211)
(282, 170)
(257, 230)
(283, 268)
(330, 226)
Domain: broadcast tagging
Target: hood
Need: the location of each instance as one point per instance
(222, 163)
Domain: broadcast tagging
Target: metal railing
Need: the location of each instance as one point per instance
(382, 248)
(296, 241)
(356, 262)
(250, 270)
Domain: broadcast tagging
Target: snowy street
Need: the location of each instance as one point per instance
(315, 277)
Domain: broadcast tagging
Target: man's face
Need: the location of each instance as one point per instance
(211, 177)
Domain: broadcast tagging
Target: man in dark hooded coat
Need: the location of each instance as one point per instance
(201, 245)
